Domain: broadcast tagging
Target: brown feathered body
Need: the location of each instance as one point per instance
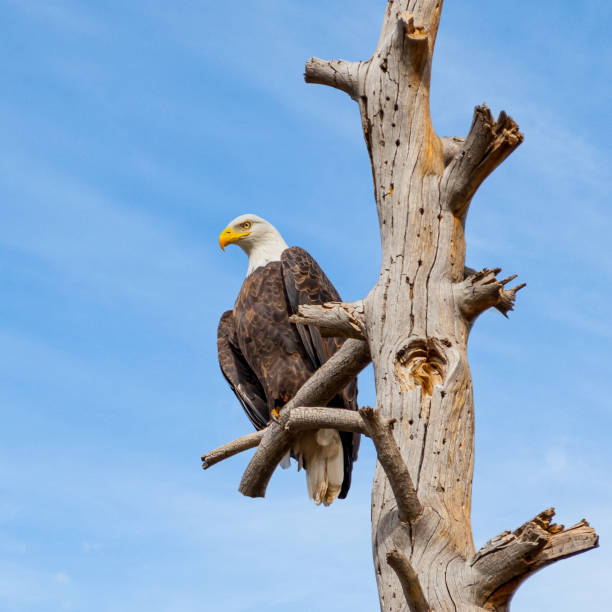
(266, 359)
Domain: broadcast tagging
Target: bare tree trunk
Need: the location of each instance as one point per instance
(416, 321)
(419, 314)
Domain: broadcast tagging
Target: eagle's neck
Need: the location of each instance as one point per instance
(265, 249)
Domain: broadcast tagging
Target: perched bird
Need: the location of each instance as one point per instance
(266, 359)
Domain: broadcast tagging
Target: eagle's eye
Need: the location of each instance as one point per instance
(246, 225)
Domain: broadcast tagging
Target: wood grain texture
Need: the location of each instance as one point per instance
(504, 562)
(409, 508)
(335, 319)
(303, 419)
(481, 290)
(295, 420)
(335, 73)
(413, 591)
(417, 320)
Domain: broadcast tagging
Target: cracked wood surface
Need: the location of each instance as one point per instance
(418, 316)
(338, 319)
(504, 562)
(413, 591)
(302, 419)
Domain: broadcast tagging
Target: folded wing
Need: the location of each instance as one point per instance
(239, 375)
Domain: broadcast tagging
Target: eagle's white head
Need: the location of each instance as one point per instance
(260, 240)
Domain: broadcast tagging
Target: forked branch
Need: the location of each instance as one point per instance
(482, 290)
(507, 560)
(487, 145)
(409, 507)
(298, 419)
(320, 388)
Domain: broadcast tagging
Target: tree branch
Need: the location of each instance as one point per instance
(299, 419)
(482, 290)
(320, 388)
(409, 581)
(304, 419)
(508, 559)
(409, 507)
(508, 296)
(334, 319)
(451, 146)
(335, 73)
(487, 145)
(232, 448)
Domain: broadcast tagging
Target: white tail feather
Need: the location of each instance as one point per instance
(321, 453)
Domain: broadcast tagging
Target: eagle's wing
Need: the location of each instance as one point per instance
(239, 375)
(306, 283)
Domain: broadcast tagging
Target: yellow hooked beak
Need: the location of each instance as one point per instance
(228, 235)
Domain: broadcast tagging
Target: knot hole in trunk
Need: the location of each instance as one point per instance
(421, 363)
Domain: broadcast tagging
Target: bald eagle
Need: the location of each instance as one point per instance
(266, 359)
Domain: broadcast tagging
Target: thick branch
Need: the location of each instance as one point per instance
(482, 290)
(334, 319)
(488, 144)
(304, 419)
(299, 419)
(507, 560)
(232, 448)
(320, 388)
(409, 507)
(335, 73)
(451, 146)
(409, 581)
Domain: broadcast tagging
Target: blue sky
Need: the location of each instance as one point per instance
(131, 134)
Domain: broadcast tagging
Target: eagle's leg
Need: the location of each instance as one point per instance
(275, 412)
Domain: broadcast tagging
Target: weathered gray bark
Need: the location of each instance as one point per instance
(334, 319)
(294, 419)
(416, 322)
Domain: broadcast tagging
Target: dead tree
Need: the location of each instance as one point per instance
(414, 326)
